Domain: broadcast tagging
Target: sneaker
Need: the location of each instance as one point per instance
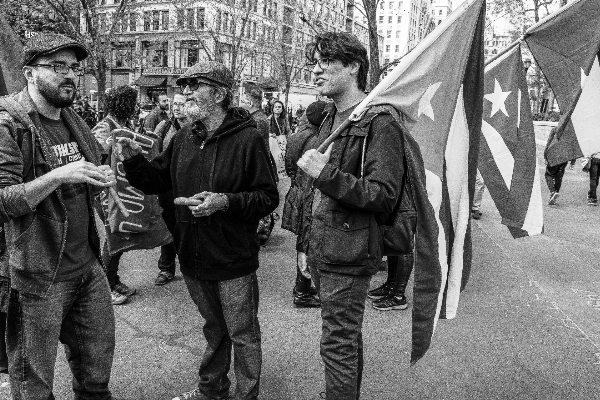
(390, 303)
(592, 202)
(124, 289)
(475, 214)
(306, 300)
(312, 291)
(163, 278)
(379, 292)
(553, 199)
(195, 394)
(118, 298)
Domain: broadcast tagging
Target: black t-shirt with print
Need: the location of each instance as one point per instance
(78, 254)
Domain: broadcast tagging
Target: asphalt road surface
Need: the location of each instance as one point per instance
(528, 324)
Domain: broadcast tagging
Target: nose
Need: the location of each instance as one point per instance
(70, 73)
(186, 90)
(317, 69)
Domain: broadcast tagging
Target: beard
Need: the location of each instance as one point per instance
(58, 96)
(197, 112)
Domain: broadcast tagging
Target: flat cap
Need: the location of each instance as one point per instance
(47, 43)
(213, 72)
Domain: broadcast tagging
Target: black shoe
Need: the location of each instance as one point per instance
(380, 292)
(311, 291)
(163, 278)
(306, 300)
(390, 302)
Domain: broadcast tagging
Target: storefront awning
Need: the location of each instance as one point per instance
(151, 81)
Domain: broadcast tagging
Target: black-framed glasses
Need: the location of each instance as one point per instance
(63, 69)
(323, 63)
(193, 84)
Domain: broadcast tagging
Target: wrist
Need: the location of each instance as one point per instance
(224, 201)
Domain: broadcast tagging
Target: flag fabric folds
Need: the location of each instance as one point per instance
(11, 77)
(438, 90)
(565, 45)
(507, 152)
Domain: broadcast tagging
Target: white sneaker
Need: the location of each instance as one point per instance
(118, 298)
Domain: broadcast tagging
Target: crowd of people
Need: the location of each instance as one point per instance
(204, 185)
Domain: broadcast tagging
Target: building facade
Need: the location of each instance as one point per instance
(156, 41)
(402, 23)
(440, 9)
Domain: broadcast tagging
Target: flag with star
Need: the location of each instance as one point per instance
(437, 88)
(566, 47)
(507, 153)
(11, 77)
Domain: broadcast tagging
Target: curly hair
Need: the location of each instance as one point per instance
(344, 47)
(120, 102)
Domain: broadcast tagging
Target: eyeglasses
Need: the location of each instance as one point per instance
(323, 63)
(63, 69)
(193, 84)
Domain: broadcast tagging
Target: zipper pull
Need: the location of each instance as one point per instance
(202, 145)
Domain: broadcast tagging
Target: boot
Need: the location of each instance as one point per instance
(384, 290)
(403, 273)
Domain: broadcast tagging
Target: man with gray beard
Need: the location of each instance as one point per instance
(223, 184)
(49, 171)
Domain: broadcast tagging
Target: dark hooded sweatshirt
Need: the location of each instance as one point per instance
(234, 161)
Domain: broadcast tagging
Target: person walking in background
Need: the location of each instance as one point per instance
(477, 196)
(278, 121)
(218, 169)
(298, 201)
(120, 104)
(158, 113)
(356, 183)
(165, 131)
(554, 174)
(48, 179)
(594, 176)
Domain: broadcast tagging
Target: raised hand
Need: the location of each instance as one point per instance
(127, 148)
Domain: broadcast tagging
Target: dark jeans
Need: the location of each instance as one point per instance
(79, 313)
(342, 308)
(166, 262)
(112, 269)
(594, 175)
(230, 311)
(554, 176)
(399, 270)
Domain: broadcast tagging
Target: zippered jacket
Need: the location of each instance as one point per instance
(233, 161)
(36, 236)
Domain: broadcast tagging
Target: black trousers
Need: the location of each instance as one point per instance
(554, 176)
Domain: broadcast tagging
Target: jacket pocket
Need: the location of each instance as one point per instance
(346, 238)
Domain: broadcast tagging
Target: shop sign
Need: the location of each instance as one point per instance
(164, 71)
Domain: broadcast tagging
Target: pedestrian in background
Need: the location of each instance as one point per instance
(554, 174)
(477, 196)
(158, 113)
(594, 176)
(278, 121)
(165, 131)
(218, 165)
(297, 210)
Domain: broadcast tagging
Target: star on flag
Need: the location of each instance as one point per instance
(498, 99)
(425, 102)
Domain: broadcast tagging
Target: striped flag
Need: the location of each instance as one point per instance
(438, 90)
(11, 77)
(507, 153)
(566, 46)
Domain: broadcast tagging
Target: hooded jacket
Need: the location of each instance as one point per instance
(233, 161)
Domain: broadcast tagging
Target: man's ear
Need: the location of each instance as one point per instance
(28, 73)
(355, 68)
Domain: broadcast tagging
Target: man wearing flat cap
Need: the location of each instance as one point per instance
(49, 172)
(218, 168)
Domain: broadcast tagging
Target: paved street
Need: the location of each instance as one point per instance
(528, 325)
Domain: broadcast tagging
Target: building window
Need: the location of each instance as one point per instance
(389, 34)
(165, 20)
(440, 12)
(387, 48)
(190, 19)
(189, 54)
(381, 19)
(390, 19)
(391, 5)
(201, 18)
(382, 4)
(155, 20)
(399, 18)
(397, 48)
(132, 22)
(225, 22)
(397, 34)
(146, 21)
(180, 16)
